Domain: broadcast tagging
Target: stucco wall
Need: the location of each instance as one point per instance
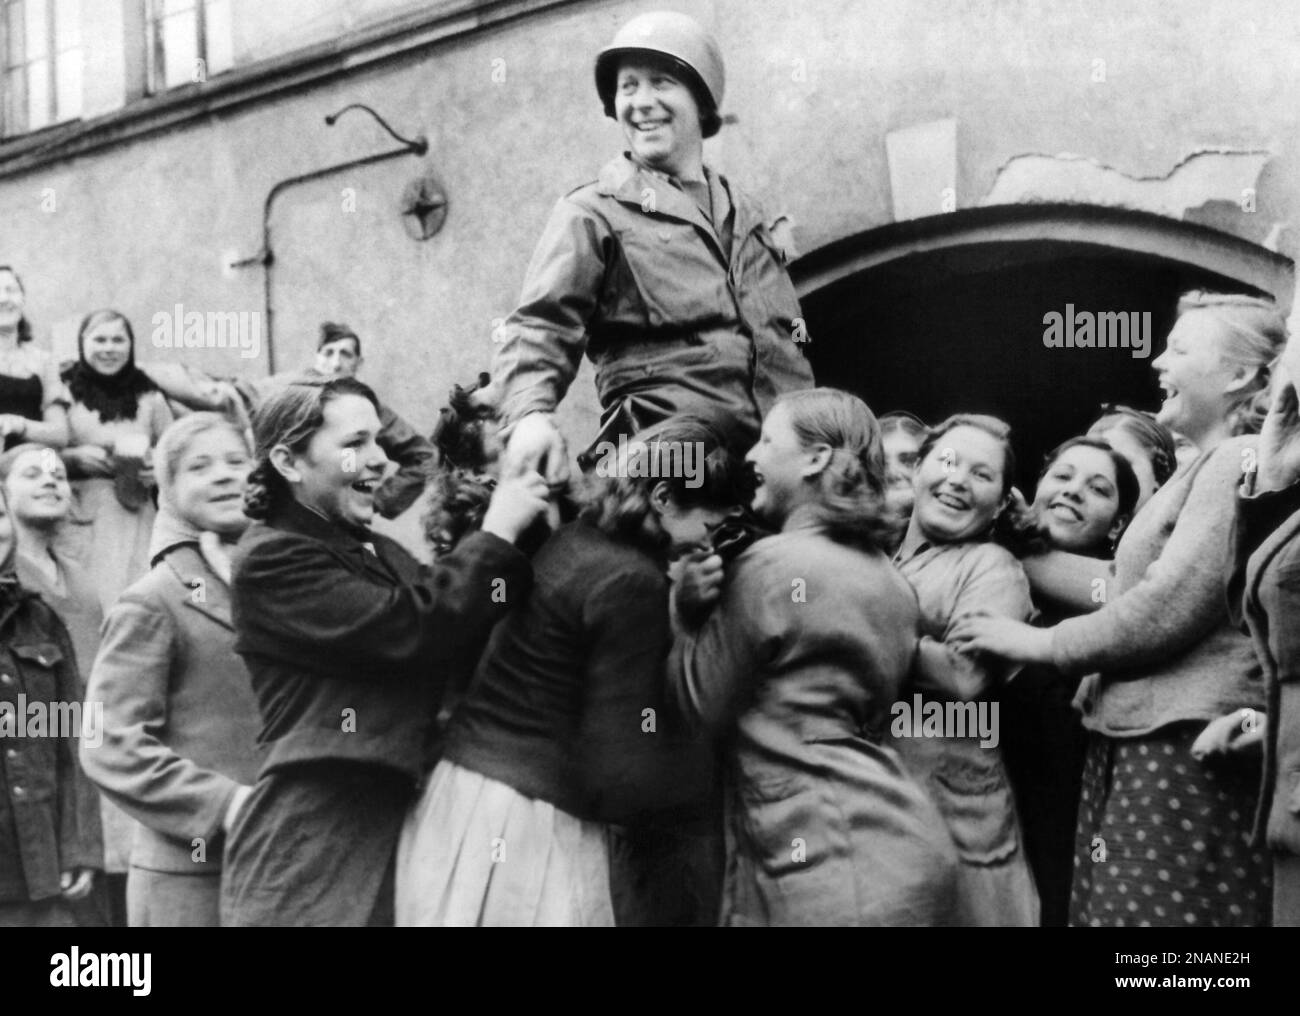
(816, 86)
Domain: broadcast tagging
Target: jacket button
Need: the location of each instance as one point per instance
(6, 679)
(11, 754)
(19, 792)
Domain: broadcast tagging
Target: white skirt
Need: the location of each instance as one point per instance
(476, 852)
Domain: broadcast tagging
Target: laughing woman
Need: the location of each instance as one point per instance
(343, 632)
(1085, 497)
(1066, 582)
(797, 667)
(963, 487)
(1164, 836)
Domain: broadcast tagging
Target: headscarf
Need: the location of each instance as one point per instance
(112, 396)
(171, 528)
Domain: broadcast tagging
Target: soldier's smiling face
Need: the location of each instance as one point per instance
(658, 113)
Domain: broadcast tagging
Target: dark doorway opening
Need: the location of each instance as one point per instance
(960, 329)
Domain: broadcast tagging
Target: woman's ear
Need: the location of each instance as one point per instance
(660, 497)
(819, 457)
(1117, 528)
(1243, 376)
(283, 462)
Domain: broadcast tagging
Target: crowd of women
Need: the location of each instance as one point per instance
(632, 696)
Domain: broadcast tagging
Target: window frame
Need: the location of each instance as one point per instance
(155, 53)
(15, 112)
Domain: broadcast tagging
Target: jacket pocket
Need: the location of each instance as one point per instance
(781, 820)
(973, 795)
(39, 662)
(680, 281)
(764, 262)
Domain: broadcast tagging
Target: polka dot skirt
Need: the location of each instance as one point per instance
(1164, 840)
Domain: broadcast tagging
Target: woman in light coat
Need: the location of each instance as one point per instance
(797, 667)
(181, 722)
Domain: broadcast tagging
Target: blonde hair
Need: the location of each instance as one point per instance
(177, 439)
(1253, 336)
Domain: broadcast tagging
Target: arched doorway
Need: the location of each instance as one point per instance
(946, 314)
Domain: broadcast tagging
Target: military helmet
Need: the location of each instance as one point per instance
(686, 43)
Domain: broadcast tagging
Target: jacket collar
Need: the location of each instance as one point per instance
(627, 182)
(294, 518)
(1265, 552)
(208, 593)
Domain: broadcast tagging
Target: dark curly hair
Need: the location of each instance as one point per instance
(461, 480)
(1032, 536)
(459, 435)
(616, 499)
(291, 417)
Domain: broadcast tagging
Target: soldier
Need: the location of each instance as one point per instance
(661, 271)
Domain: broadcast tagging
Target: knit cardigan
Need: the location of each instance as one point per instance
(1163, 643)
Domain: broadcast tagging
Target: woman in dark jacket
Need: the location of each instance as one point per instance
(798, 667)
(343, 632)
(1264, 590)
(562, 751)
(179, 752)
(51, 842)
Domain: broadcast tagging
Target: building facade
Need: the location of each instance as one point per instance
(951, 173)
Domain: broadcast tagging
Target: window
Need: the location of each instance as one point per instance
(189, 40)
(42, 62)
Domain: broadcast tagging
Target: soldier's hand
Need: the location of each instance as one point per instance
(536, 446)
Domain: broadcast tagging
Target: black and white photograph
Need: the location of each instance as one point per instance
(667, 464)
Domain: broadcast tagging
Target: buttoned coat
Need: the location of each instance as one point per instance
(180, 719)
(1265, 593)
(797, 669)
(45, 798)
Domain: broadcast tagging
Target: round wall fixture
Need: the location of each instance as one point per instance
(424, 207)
